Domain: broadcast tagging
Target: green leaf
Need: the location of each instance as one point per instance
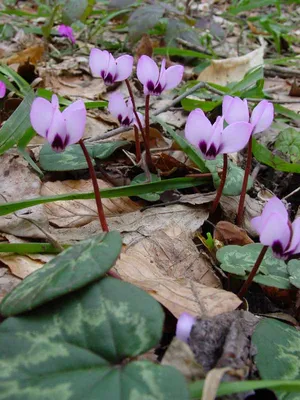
(265, 156)
(23, 85)
(250, 79)
(185, 146)
(73, 10)
(247, 5)
(73, 158)
(226, 388)
(143, 19)
(70, 270)
(286, 112)
(288, 142)
(174, 51)
(294, 270)
(78, 347)
(239, 260)
(141, 178)
(278, 353)
(122, 191)
(16, 125)
(28, 248)
(234, 178)
(23, 142)
(191, 104)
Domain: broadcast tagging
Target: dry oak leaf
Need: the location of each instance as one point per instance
(77, 213)
(17, 182)
(168, 274)
(232, 69)
(33, 54)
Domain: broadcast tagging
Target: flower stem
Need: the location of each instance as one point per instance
(252, 274)
(222, 184)
(147, 132)
(138, 146)
(101, 214)
(245, 183)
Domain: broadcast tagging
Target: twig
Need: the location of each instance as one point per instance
(274, 70)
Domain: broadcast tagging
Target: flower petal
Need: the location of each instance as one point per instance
(276, 232)
(235, 110)
(41, 115)
(294, 247)
(124, 67)
(2, 89)
(147, 70)
(98, 61)
(75, 120)
(262, 116)
(55, 102)
(274, 205)
(57, 132)
(173, 76)
(235, 137)
(198, 128)
(117, 105)
(184, 326)
(142, 120)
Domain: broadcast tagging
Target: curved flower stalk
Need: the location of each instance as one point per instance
(236, 109)
(62, 129)
(212, 140)
(104, 65)
(184, 326)
(2, 89)
(67, 31)
(124, 112)
(276, 231)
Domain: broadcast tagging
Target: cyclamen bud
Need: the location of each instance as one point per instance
(184, 326)
(66, 31)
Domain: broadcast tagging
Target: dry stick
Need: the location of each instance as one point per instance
(222, 184)
(252, 274)
(245, 183)
(96, 187)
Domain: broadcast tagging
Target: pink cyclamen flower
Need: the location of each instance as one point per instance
(123, 111)
(59, 128)
(104, 65)
(184, 326)
(155, 81)
(236, 110)
(2, 89)
(66, 31)
(275, 229)
(212, 140)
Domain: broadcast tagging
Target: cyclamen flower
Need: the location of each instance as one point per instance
(66, 31)
(123, 111)
(236, 109)
(2, 89)
(184, 326)
(59, 128)
(212, 140)
(155, 81)
(104, 65)
(275, 229)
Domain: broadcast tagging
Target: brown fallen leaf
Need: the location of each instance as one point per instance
(228, 233)
(144, 47)
(295, 89)
(7, 281)
(232, 69)
(33, 54)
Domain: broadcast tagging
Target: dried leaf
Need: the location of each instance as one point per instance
(33, 54)
(7, 281)
(228, 233)
(144, 47)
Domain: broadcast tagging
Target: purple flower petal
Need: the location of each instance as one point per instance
(117, 106)
(184, 326)
(124, 67)
(41, 115)
(294, 247)
(147, 71)
(173, 76)
(235, 137)
(141, 118)
(276, 233)
(198, 128)
(2, 89)
(57, 134)
(273, 205)
(235, 109)
(98, 62)
(75, 119)
(111, 70)
(262, 116)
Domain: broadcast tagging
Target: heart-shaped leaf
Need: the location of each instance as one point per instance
(70, 270)
(239, 260)
(288, 141)
(234, 178)
(278, 353)
(73, 158)
(77, 348)
(73, 10)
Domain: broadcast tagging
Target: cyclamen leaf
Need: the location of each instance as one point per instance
(73, 10)
(288, 142)
(143, 19)
(141, 178)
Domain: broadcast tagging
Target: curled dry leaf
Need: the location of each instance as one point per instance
(228, 233)
(17, 182)
(232, 69)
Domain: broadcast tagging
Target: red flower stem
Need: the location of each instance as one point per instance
(137, 144)
(252, 274)
(147, 148)
(147, 119)
(101, 214)
(222, 184)
(245, 183)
